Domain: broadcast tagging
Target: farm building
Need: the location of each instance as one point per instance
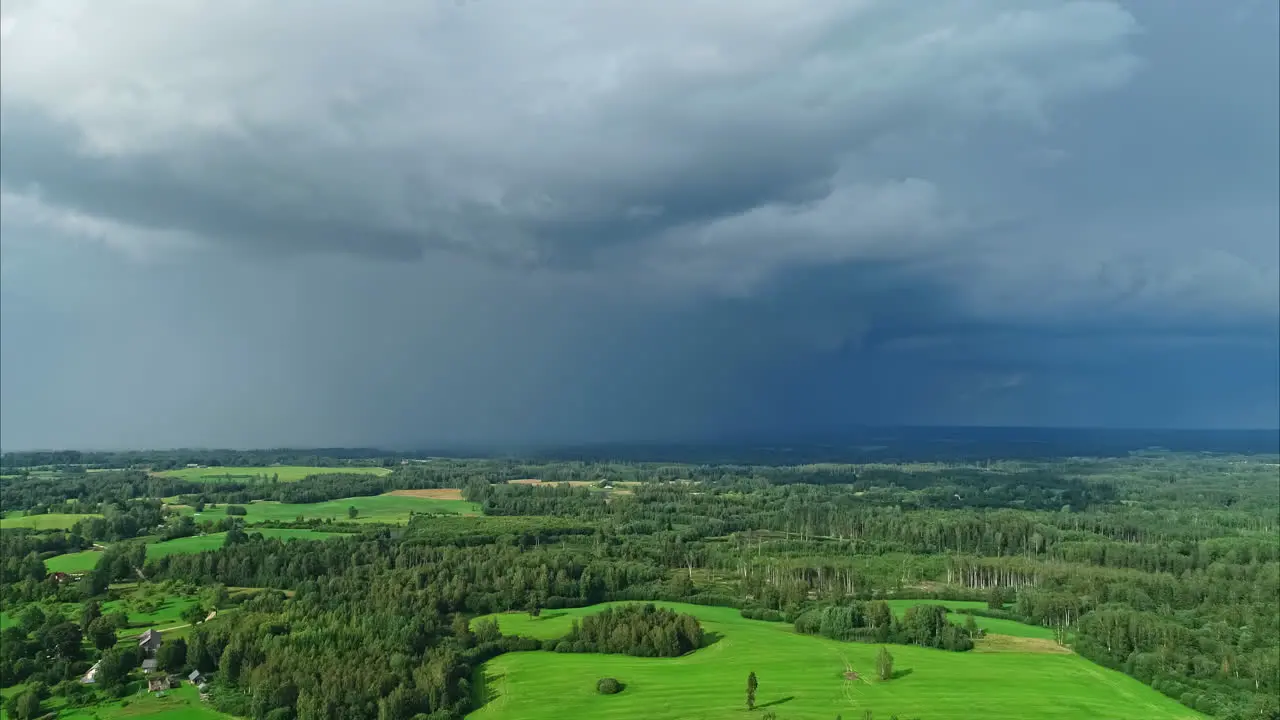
(149, 642)
(59, 577)
(91, 677)
(195, 677)
(149, 665)
(157, 684)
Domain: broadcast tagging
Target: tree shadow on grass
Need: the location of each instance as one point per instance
(710, 638)
(484, 692)
(780, 701)
(550, 615)
(901, 673)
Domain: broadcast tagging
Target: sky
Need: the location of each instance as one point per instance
(423, 222)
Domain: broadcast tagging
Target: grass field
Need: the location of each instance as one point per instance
(376, 508)
(10, 616)
(213, 541)
(181, 704)
(167, 614)
(286, 473)
(801, 678)
(52, 521)
(995, 626)
(76, 562)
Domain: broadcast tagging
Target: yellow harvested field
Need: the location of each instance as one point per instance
(434, 493)
(549, 483)
(1009, 643)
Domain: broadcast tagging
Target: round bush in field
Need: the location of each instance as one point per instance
(608, 686)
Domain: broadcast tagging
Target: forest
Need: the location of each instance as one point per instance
(1163, 566)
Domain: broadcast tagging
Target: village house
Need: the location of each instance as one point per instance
(149, 642)
(157, 684)
(149, 665)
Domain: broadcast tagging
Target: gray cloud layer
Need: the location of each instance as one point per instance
(237, 223)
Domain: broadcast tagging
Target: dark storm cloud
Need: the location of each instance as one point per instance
(624, 221)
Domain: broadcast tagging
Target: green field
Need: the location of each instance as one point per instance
(213, 541)
(52, 521)
(375, 508)
(181, 704)
(801, 678)
(76, 562)
(285, 473)
(8, 617)
(995, 626)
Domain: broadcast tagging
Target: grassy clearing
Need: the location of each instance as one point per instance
(148, 605)
(994, 626)
(185, 546)
(10, 615)
(51, 521)
(213, 541)
(801, 678)
(285, 473)
(434, 493)
(76, 562)
(386, 508)
(181, 704)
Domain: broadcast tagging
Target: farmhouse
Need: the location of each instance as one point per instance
(59, 577)
(149, 665)
(149, 642)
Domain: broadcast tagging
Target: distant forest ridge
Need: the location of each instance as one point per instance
(867, 445)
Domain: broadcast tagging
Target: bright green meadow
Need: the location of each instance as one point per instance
(995, 626)
(181, 704)
(800, 678)
(52, 521)
(213, 541)
(374, 508)
(76, 562)
(285, 473)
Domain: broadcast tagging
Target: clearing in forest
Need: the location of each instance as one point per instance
(434, 493)
(213, 541)
(386, 508)
(801, 677)
(74, 563)
(50, 521)
(283, 473)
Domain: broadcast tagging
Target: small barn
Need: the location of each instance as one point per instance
(91, 677)
(149, 642)
(157, 684)
(195, 677)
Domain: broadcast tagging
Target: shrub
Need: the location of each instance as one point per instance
(608, 686)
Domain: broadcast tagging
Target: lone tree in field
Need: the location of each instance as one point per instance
(884, 664)
(995, 598)
(752, 684)
(352, 512)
